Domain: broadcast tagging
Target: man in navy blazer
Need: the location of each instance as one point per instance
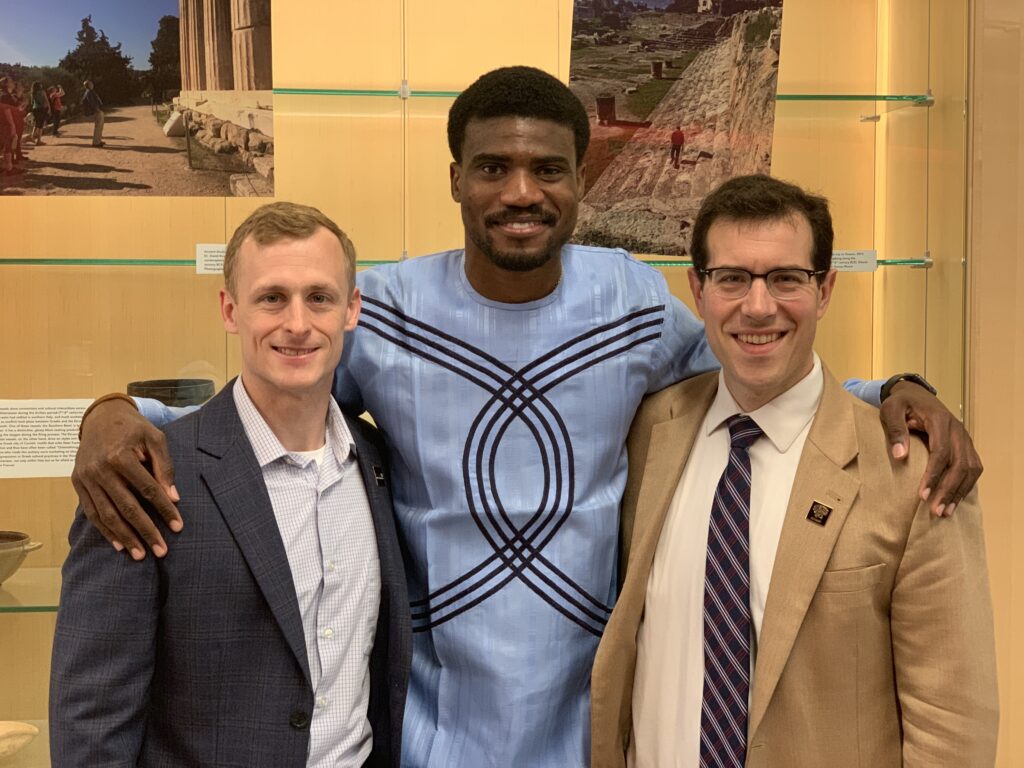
(277, 632)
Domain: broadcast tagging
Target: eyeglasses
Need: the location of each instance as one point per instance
(783, 284)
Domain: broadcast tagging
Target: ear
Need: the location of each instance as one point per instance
(455, 175)
(825, 292)
(227, 311)
(581, 181)
(697, 289)
(355, 306)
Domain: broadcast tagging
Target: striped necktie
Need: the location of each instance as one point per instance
(723, 717)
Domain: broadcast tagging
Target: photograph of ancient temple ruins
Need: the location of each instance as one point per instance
(136, 97)
(681, 95)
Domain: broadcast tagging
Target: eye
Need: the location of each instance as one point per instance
(491, 169)
(271, 298)
(731, 277)
(320, 298)
(789, 280)
(550, 171)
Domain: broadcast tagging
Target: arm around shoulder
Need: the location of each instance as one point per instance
(943, 642)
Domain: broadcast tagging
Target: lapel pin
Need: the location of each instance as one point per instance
(378, 475)
(819, 513)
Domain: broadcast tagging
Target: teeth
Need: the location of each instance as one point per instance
(520, 224)
(290, 352)
(758, 338)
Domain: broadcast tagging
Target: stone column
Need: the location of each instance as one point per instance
(250, 45)
(184, 43)
(219, 65)
(192, 26)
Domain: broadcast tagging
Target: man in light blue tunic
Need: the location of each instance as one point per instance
(504, 377)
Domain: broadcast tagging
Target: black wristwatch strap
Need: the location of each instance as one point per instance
(915, 378)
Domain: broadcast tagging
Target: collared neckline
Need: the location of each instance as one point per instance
(781, 419)
(267, 446)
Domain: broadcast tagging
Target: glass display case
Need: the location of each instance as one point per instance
(99, 291)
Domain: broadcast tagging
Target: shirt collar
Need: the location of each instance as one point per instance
(265, 443)
(782, 419)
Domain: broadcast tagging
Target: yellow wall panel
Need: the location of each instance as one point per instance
(106, 227)
(452, 42)
(344, 155)
(338, 45)
(828, 46)
(434, 221)
(25, 641)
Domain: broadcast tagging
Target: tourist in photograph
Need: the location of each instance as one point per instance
(93, 106)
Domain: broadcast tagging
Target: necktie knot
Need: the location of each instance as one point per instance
(743, 431)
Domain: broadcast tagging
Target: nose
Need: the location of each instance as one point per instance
(296, 318)
(521, 189)
(759, 302)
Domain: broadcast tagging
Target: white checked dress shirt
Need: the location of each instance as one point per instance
(669, 680)
(324, 518)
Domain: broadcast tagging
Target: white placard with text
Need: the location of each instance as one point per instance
(855, 261)
(210, 258)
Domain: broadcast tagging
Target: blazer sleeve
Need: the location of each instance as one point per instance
(103, 653)
(943, 642)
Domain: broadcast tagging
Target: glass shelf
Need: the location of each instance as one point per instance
(659, 262)
(36, 754)
(916, 99)
(31, 590)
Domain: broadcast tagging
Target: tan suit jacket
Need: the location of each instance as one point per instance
(876, 647)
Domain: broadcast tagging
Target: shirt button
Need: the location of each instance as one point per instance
(328, 632)
(331, 566)
(321, 701)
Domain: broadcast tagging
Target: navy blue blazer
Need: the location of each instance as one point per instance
(199, 658)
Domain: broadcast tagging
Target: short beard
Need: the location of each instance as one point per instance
(515, 262)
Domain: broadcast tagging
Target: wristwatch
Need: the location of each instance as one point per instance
(915, 378)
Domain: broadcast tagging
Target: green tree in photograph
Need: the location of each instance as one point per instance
(165, 58)
(96, 59)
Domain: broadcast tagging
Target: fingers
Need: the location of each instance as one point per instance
(959, 476)
(158, 489)
(89, 508)
(103, 512)
(894, 422)
(940, 474)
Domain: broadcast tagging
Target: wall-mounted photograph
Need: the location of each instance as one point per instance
(681, 95)
(136, 97)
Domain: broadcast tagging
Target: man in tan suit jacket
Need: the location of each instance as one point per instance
(871, 628)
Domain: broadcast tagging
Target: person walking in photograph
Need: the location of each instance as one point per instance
(92, 104)
(56, 93)
(40, 106)
(678, 139)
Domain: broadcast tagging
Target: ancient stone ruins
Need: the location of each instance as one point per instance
(226, 75)
(724, 102)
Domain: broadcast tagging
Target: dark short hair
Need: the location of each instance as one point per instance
(518, 92)
(762, 198)
(274, 222)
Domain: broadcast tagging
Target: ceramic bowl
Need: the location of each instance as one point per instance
(13, 548)
(14, 736)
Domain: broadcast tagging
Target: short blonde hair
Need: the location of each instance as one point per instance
(274, 222)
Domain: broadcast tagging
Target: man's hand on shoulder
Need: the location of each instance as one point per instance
(121, 459)
(953, 465)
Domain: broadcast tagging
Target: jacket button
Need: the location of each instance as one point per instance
(299, 720)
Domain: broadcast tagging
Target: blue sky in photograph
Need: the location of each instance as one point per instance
(41, 32)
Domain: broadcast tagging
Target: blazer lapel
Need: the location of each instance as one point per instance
(804, 545)
(236, 483)
(668, 451)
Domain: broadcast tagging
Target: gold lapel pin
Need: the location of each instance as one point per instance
(819, 513)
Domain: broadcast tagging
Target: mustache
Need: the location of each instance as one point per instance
(519, 214)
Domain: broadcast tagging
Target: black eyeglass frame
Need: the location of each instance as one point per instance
(811, 274)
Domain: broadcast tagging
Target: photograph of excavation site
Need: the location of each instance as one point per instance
(681, 95)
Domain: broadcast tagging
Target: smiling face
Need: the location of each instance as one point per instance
(519, 188)
(290, 307)
(765, 345)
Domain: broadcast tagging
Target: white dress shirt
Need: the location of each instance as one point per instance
(669, 682)
(324, 518)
